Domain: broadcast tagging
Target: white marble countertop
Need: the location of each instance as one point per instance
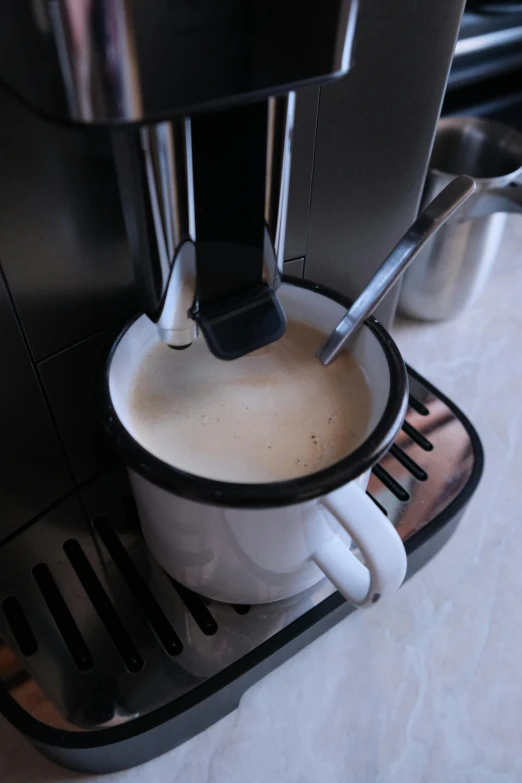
(428, 686)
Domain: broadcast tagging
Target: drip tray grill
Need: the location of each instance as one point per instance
(94, 636)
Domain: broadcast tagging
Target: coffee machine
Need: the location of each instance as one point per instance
(177, 157)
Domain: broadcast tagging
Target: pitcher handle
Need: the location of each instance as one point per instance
(487, 202)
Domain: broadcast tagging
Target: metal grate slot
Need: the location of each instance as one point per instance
(418, 406)
(20, 628)
(241, 608)
(103, 606)
(131, 512)
(138, 587)
(408, 463)
(417, 436)
(63, 618)
(381, 508)
(389, 482)
(204, 620)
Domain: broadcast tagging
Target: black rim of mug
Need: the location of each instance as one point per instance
(277, 493)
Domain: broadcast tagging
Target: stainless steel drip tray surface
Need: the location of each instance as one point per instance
(105, 662)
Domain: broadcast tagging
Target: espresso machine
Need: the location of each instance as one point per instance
(178, 157)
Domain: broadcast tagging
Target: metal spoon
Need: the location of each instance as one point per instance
(427, 224)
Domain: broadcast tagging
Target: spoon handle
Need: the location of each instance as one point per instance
(427, 224)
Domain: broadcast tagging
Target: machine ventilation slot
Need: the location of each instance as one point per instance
(20, 628)
(131, 512)
(408, 463)
(204, 620)
(138, 587)
(63, 618)
(103, 606)
(418, 406)
(381, 508)
(241, 608)
(390, 483)
(417, 436)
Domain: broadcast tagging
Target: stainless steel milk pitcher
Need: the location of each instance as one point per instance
(453, 269)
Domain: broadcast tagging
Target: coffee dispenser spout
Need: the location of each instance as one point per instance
(205, 204)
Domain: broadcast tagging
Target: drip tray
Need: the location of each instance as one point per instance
(105, 662)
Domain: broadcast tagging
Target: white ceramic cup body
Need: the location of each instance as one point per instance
(236, 555)
(242, 552)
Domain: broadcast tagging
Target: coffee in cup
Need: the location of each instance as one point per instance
(273, 415)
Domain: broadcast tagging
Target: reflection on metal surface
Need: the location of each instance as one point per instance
(486, 41)
(167, 157)
(448, 464)
(169, 628)
(278, 159)
(97, 54)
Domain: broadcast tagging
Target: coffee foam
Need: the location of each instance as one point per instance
(273, 415)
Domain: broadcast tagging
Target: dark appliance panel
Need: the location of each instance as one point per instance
(374, 138)
(33, 469)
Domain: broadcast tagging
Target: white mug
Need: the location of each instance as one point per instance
(257, 543)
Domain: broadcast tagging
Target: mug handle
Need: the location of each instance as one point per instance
(378, 541)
